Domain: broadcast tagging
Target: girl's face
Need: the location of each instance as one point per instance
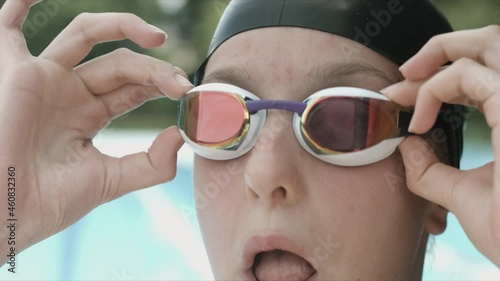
(341, 223)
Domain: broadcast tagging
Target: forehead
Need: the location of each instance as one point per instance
(270, 57)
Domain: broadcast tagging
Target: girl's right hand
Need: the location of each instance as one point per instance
(50, 110)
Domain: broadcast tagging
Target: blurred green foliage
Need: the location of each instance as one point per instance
(470, 14)
(190, 25)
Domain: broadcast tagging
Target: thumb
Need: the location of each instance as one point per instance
(426, 176)
(144, 169)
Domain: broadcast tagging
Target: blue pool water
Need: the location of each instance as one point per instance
(153, 234)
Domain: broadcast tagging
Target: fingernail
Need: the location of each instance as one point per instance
(157, 30)
(182, 80)
(404, 65)
(410, 127)
(391, 88)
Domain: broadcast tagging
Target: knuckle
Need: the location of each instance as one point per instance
(170, 174)
(492, 37)
(118, 55)
(493, 30)
(436, 39)
(428, 88)
(165, 70)
(118, 71)
(139, 94)
(464, 62)
(83, 22)
(82, 18)
(123, 52)
(177, 69)
(413, 177)
(131, 16)
(124, 20)
(451, 196)
(412, 186)
(113, 181)
(465, 70)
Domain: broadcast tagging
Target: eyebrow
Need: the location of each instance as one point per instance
(333, 71)
(239, 76)
(328, 72)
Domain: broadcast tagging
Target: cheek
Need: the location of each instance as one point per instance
(371, 211)
(378, 186)
(215, 183)
(218, 189)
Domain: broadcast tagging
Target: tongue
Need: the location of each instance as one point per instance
(282, 265)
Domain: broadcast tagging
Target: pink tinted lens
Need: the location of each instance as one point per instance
(348, 124)
(213, 118)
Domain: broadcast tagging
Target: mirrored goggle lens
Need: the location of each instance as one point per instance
(349, 124)
(213, 118)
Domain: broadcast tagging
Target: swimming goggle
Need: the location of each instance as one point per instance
(344, 126)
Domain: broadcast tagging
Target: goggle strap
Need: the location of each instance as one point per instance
(180, 114)
(404, 123)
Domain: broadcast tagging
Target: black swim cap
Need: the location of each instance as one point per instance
(397, 29)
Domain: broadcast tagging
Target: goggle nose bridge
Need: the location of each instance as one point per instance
(294, 106)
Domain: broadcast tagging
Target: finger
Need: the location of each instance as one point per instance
(122, 67)
(464, 193)
(467, 81)
(480, 45)
(425, 175)
(98, 113)
(406, 95)
(405, 92)
(14, 13)
(12, 16)
(75, 42)
(127, 98)
(144, 169)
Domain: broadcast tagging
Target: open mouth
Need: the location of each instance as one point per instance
(282, 265)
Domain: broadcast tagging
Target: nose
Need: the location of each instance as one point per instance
(273, 167)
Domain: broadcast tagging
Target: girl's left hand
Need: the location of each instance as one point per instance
(473, 79)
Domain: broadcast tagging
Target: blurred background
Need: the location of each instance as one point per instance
(153, 234)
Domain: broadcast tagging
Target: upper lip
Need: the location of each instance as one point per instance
(264, 243)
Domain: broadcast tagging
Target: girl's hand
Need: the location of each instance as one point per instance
(50, 111)
(473, 79)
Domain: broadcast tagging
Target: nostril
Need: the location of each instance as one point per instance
(279, 193)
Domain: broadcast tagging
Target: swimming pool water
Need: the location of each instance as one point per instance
(153, 234)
